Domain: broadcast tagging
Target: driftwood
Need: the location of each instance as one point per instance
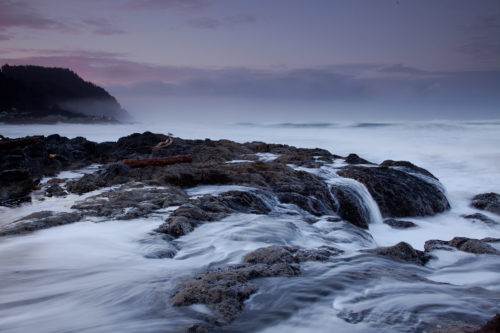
(158, 161)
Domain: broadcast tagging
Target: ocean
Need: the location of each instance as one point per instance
(94, 277)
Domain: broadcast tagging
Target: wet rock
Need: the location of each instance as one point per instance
(355, 159)
(210, 208)
(398, 193)
(197, 328)
(224, 290)
(399, 224)
(403, 252)
(487, 201)
(351, 206)
(129, 202)
(16, 186)
(37, 221)
(108, 175)
(461, 243)
(492, 326)
(55, 191)
(480, 217)
(308, 158)
(407, 167)
(284, 254)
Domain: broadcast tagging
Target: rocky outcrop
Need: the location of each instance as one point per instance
(397, 193)
(224, 290)
(209, 208)
(465, 244)
(131, 201)
(487, 201)
(492, 326)
(39, 220)
(402, 252)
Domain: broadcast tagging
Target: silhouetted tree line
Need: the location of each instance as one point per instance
(41, 91)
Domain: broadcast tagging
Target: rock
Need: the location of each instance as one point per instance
(197, 328)
(308, 158)
(351, 206)
(407, 167)
(492, 326)
(461, 243)
(16, 186)
(399, 224)
(480, 217)
(284, 254)
(487, 201)
(210, 208)
(37, 221)
(55, 191)
(108, 175)
(403, 252)
(355, 159)
(224, 290)
(397, 193)
(129, 202)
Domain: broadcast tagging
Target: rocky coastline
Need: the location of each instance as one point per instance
(263, 177)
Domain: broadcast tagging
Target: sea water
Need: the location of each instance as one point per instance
(97, 277)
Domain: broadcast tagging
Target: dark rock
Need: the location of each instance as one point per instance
(128, 202)
(355, 159)
(55, 191)
(197, 328)
(490, 240)
(403, 252)
(210, 208)
(37, 221)
(108, 175)
(407, 167)
(224, 290)
(351, 206)
(397, 193)
(333, 219)
(492, 326)
(487, 201)
(399, 224)
(480, 217)
(461, 243)
(308, 158)
(16, 186)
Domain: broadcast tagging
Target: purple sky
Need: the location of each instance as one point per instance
(439, 54)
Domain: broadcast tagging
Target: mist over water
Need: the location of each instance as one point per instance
(96, 277)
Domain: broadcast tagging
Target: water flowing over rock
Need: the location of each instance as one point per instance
(37, 221)
(225, 289)
(397, 193)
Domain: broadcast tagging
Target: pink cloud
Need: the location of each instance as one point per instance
(17, 14)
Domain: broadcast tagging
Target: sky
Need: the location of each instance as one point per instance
(296, 59)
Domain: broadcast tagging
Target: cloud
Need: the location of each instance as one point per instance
(212, 23)
(183, 6)
(100, 26)
(17, 14)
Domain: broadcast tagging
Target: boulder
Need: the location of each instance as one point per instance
(487, 201)
(355, 159)
(397, 193)
(402, 252)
